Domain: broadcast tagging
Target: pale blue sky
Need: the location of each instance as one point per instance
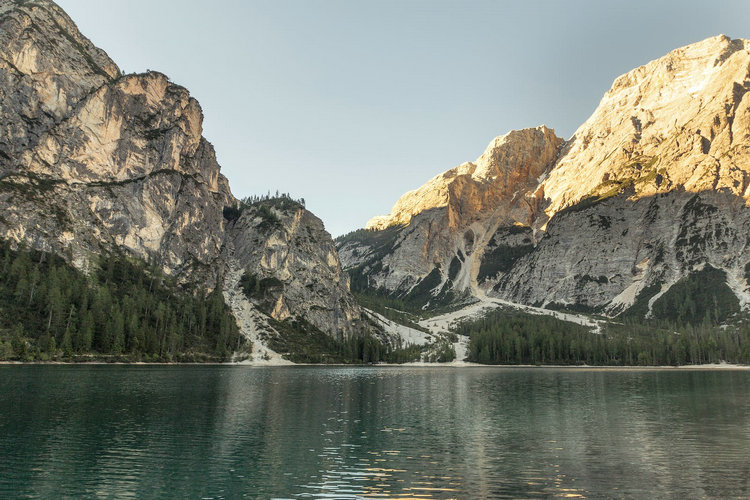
(351, 103)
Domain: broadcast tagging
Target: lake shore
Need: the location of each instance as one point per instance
(457, 365)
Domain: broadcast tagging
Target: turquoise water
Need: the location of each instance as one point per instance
(311, 432)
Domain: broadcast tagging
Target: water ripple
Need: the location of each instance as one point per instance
(309, 432)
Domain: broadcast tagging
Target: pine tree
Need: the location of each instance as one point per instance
(67, 344)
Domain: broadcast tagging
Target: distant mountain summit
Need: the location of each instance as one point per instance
(652, 189)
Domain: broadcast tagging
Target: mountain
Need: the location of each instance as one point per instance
(119, 236)
(94, 162)
(647, 199)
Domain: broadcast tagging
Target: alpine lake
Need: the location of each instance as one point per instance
(140, 431)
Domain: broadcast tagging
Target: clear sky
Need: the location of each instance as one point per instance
(351, 103)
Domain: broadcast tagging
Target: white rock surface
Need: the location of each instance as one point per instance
(252, 323)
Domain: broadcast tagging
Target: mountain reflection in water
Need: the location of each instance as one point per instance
(390, 432)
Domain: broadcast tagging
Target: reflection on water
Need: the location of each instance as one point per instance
(315, 432)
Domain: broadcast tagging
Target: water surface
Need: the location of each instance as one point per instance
(311, 432)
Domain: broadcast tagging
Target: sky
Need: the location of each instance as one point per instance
(349, 104)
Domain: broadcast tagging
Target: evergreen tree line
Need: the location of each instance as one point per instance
(281, 201)
(254, 199)
(124, 308)
(504, 337)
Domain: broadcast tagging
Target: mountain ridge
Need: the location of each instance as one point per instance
(677, 124)
(646, 201)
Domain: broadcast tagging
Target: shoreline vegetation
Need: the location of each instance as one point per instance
(124, 311)
(122, 308)
(453, 365)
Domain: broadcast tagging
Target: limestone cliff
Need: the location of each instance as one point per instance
(653, 186)
(281, 242)
(680, 122)
(94, 161)
(440, 230)
(471, 191)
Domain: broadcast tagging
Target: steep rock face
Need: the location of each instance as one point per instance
(46, 68)
(473, 189)
(605, 257)
(94, 161)
(289, 245)
(448, 221)
(127, 168)
(680, 122)
(652, 187)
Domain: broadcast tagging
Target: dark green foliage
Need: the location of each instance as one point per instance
(444, 353)
(513, 337)
(699, 297)
(422, 296)
(264, 291)
(378, 239)
(125, 309)
(270, 220)
(405, 354)
(454, 268)
(501, 259)
(262, 205)
(391, 308)
(576, 308)
(359, 279)
(302, 342)
(422, 292)
(661, 343)
(659, 257)
(280, 201)
(640, 307)
(510, 337)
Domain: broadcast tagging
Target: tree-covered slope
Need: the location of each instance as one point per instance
(123, 310)
(506, 336)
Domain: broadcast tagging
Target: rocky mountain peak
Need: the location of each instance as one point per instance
(652, 188)
(681, 121)
(472, 188)
(516, 155)
(93, 161)
(46, 68)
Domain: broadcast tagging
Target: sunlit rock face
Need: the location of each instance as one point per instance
(508, 166)
(448, 221)
(680, 122)
(46, 68)
(653, 186)
(92, 160)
